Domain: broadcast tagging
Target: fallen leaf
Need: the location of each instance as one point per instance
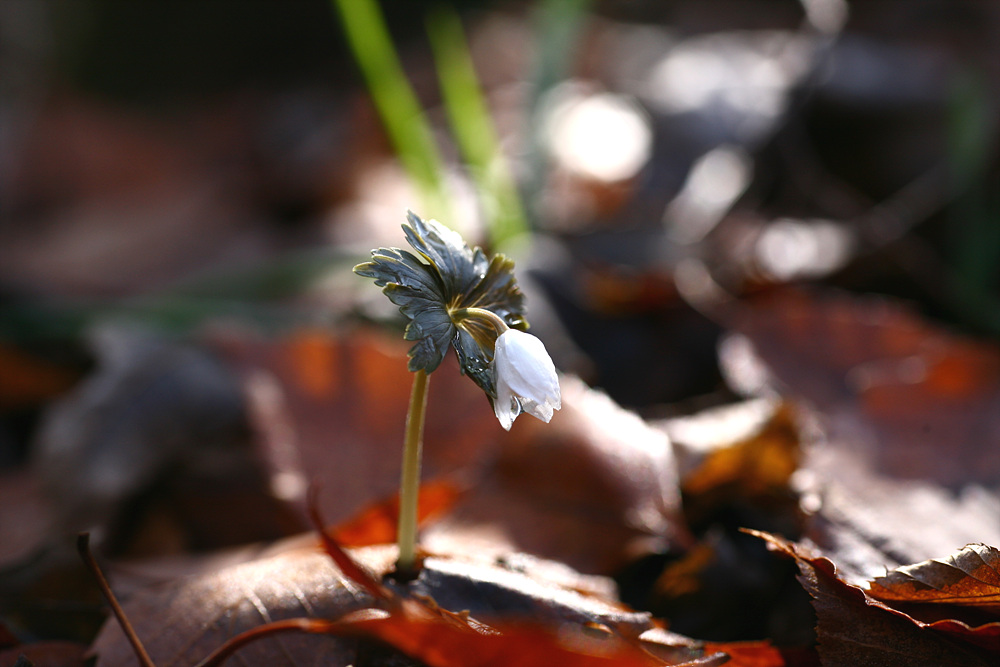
(445, 645)
(421, 628)
(958, 595)
(854, 628)
(903, 466)
(923, 399)
(742, 453)
(331, 407)
(748, 654)
(377, 523)
(183, 621)
(868, 521)
(153, 406)
(969, 578)
(736, 463)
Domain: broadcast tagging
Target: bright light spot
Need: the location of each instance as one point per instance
(791, 249)
(695, 283)
(742, 77)
(714, 183)
(721, 427)
(741, 367)
(602, 136)
(289, 486)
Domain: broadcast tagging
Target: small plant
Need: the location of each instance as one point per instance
(456, 296)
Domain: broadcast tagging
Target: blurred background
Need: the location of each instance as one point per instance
(185, 186)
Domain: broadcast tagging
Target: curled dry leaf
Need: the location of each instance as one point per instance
(854, 628)
(969, 578)
(957, 595)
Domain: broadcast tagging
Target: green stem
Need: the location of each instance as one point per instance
(409, 486)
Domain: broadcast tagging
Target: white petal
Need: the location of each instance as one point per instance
(524, 369)
(502, 404)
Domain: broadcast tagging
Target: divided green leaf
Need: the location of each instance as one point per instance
(443, 276)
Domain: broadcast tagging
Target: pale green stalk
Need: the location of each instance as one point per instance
(409, 486)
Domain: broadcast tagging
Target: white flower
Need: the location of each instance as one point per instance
(525, 378)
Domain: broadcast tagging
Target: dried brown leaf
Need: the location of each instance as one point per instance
(924, 398)
(854, 628)
(331, 407)
(183, 621)
(968, 578)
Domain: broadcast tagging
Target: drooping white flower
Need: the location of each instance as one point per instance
(525, 378)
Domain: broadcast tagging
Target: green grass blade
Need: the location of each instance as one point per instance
(404, 120)
(473, 127)
(557, 27)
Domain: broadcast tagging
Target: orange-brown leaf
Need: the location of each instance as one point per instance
(854, 628)
(331, 407)
(925, 397)
(968, 578)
